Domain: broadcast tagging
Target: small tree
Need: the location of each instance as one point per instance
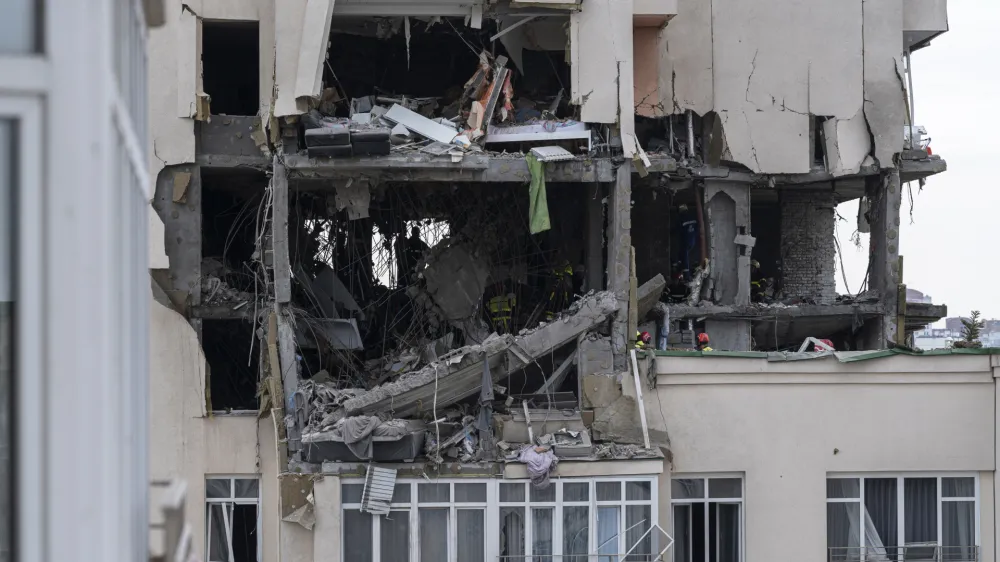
(971, 330)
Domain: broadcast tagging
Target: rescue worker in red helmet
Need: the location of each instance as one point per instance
(703, 342)
(642, 340)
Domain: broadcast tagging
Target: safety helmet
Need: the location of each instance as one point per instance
(703, 338)
(645, 337)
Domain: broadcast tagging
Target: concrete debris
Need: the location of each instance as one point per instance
(304, 515)
(620, 451)
(649, 294)
(366, 438)
(457, 375)
(355, 196)
(216, 291)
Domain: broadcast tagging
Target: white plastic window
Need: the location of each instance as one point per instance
(708, 518)
(511, 521)
(233, 518)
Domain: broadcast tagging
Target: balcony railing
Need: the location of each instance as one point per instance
(908, 553)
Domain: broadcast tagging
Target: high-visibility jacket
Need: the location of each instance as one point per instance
(502, 309)
(559, 297)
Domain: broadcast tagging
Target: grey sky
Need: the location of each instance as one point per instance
(949, 247)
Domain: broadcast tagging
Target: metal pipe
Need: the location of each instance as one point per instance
(671, 121)
(700, 212)
(690, 115)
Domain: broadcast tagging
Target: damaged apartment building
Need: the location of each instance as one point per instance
(408, 247)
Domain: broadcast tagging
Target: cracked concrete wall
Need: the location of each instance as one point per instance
(186, 444)
(601, 56)
(173, 52)
(768, 67)
(808, 253)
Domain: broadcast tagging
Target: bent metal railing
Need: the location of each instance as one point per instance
(908, 553)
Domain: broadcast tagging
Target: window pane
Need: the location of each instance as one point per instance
(958, 531)
(433, 534)
(609, 491)
(843, 530)
(729, 532)
(958, 487)
(511, 492)
(358, 541)
(682, 533)
(394, 537)
(541, 533)
(247, 488)
(218, 488)
(471, 535)
(637, 522)
(683, 489)
(218, 538)
(7, 268)
(637, 491)
(434, 492)
(543, 494)
(351, 493)
(19, 27)
(512, 531)
(576, 492)
(607, 533)
(919, 517)
(881, 505)
(843, 488)
(576, 533)
(725, 488)
(470, 493)
(401, 493)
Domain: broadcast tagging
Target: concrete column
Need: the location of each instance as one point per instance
(727, 206)
(595, 236)
(177, 200)
(619, 258)
(885, 195)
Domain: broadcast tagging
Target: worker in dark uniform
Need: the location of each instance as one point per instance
(409, 252)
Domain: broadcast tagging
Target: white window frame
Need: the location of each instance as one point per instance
(26, 111)
(232, 499)
(492, 507)
(705, 499)
(900, 476)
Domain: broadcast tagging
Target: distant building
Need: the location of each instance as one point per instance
(913, 295)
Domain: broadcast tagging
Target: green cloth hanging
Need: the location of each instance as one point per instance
(538, 218)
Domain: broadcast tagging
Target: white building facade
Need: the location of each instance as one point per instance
(767, 459)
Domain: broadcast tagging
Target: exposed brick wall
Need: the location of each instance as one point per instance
(808, 250)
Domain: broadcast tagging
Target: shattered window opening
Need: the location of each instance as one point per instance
(231, 66)
(232, 519)
(524, 528)
(233, 362)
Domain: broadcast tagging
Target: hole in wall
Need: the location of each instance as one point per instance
(230, 57)
(233, 358)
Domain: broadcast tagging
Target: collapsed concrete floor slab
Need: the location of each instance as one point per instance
(458, 375)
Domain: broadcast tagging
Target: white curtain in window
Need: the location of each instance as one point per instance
(576, 533)
(433, 534)
(512, 533)
(471, 535)
(358, 540)
(920, 504)
(607, 533)
(394, 537)
(958, 521)
(541, 534)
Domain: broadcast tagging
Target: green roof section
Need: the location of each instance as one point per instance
(842, 356)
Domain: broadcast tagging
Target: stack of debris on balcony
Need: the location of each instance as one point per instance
(481, 115)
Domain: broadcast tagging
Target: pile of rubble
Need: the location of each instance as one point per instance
(484, 114)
